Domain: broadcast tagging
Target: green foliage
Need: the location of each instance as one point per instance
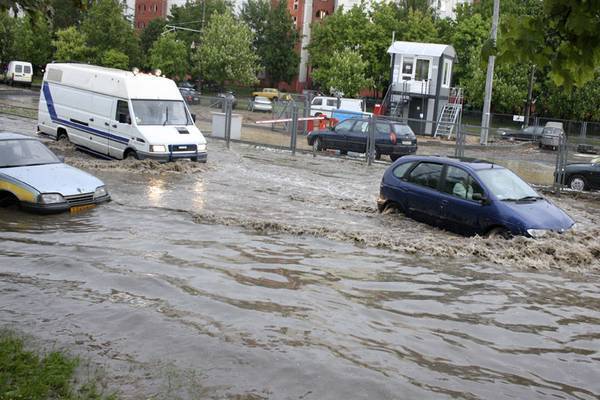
(226, 52)
(106, 28)
(71, 46)
(8, 27)
(577, 103)
(170, 56)
(344, 73)
(151, 33)
(563, 37)
(114, 59)
(418, 26)
(195, 15)
(65, 13)
(470, 33)
(25, 375)
(274, 37)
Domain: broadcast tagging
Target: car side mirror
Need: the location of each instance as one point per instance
(481, 198)
(194, 117)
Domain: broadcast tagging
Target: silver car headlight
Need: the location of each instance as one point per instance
(100, 192)
(158, 148)
(538, 233)
(51, 198)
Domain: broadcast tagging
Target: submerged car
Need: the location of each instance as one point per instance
(35, 179)
(260, 104)
(531, 134)
(469, 197)
(583, 176)
(391, 138)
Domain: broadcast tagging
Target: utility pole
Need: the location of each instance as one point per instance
(485, 118)
(529, 95)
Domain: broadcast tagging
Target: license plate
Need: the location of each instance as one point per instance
(77, 209)
(406, 142)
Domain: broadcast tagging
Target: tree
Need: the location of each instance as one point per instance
(278, 54)
(32, 40)
(170, 56)
(151, 33)
(8, 27)
(563, 36)
(106, 28)
(344, 73)
(418, 26)
(226, 52)
(65, 13)
(195, 15)
(470, 33)
(114, 59)
(71, 45)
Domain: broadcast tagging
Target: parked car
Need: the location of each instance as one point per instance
(468, 197)
(18, 72)
(391, 138)
(34, 178)
(228, 95)
(551, 135)
(583, 176)
(270, 93)
(260, 103)
(531, 134)
(190, 95)
(187, 85)
(322, 105)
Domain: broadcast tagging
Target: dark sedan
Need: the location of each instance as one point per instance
(531, 134)
(391, 138)
(584, 176)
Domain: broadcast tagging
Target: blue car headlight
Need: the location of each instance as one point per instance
(538, 233)
(51, 198)
(100, 192)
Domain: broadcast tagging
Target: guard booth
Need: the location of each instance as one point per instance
(420, 88)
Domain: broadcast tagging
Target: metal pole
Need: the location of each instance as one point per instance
(228, 108)
(371, 140)
(485, 118)
(529, 95)
(294, 128)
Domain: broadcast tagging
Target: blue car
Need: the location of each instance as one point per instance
(469, 197)
(35, 179)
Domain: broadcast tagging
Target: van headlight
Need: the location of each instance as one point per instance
(202, 147)
(158, 148)
(100, 192)
(538, 233)
(51, 198)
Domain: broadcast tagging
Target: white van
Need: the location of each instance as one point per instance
(322, 105)
(118, 113)
(18, 71)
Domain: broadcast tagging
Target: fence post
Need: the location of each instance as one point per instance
(294, 128)
(228, 109)
(459, 150)
(561, 163)
(583, 132)
(306, 114)
(371, 140)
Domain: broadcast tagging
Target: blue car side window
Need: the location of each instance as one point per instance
(400, 170)
(426, 174)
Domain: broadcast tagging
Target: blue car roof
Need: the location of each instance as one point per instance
(13, 136)
(473, 163)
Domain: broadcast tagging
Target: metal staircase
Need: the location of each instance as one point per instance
(450, 113)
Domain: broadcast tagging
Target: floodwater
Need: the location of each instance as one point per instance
(265, 276)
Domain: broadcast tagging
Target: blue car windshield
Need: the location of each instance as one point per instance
(505, 185)
(25, 152)
(160, 112)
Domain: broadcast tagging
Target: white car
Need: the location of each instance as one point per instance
(35, 179)
(260, 103)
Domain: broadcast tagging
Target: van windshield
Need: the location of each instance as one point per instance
(160, 112)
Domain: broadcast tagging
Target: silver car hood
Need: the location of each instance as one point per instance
(55, 178)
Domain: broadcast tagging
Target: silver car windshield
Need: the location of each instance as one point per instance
(160, 112)
(21, 153)
(505, 185)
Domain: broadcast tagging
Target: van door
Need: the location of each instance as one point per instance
(99, 123)
(122, 129)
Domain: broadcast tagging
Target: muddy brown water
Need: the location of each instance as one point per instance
(263, 276)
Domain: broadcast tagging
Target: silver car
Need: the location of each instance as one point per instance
(260, 103)
(35, 179)
(551, 135)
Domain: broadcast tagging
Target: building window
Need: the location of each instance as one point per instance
(321, 14)
(294, 20)
(422, 70)
(295, 4)
(446, 74)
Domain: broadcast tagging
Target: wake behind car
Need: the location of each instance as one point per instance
(391, 138)
(468, 197)
(37, 180)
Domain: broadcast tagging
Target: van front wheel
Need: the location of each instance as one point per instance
(129, 153)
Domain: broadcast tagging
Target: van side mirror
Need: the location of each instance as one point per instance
(194, 117)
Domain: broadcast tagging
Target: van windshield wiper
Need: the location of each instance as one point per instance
(167, 117)
(523, 198)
